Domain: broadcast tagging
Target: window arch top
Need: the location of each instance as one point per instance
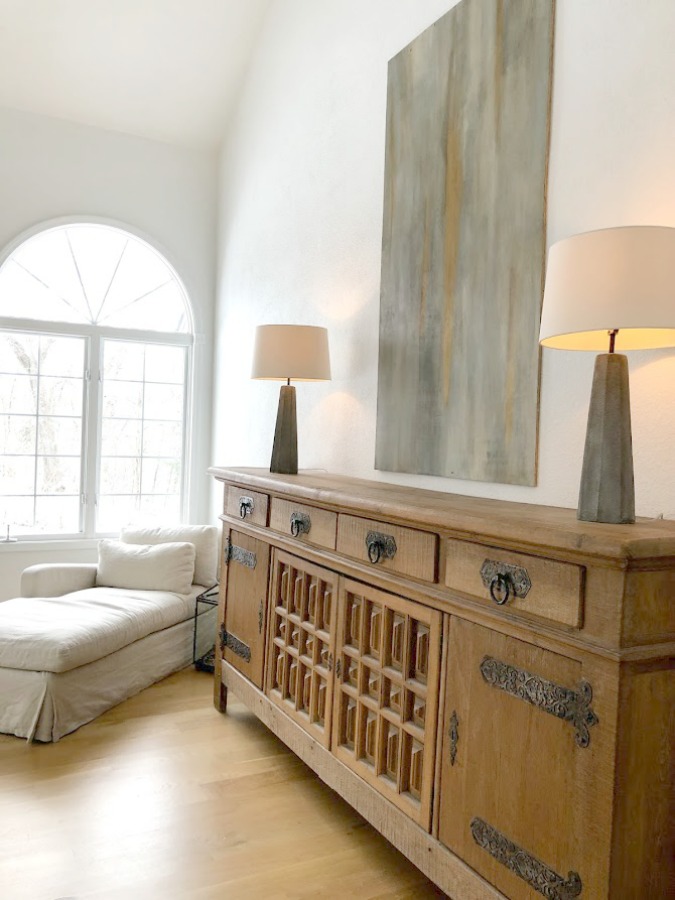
(95, 275)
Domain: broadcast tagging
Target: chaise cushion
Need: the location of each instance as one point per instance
(144, 567)
(204, 538)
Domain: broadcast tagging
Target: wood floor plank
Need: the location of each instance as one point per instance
(163, 797)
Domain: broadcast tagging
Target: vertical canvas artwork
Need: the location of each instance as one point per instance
(463, 256)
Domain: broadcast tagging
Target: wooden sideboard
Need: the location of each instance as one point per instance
(489, 684)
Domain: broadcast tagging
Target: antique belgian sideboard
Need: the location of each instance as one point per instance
(489, 684)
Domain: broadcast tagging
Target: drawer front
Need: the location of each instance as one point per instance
(402, 550)
(249, 506)
(535, 586)
(308, 524)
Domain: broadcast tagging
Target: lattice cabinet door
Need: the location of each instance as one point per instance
(386, 704)
(302, 642)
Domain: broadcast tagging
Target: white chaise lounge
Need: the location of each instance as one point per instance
(82, 638)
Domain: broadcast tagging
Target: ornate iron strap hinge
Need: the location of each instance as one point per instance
(536, 873)
(234, 644)
(572, 706)
(239, 555)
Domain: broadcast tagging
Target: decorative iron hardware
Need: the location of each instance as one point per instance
(338, 668)
(504, 580)
(300, 523)
(329, 662)
(380, 546)
(453, 734)
(261, 616)
(238, 554)
(246, 506)
(537, 874)
(564, 703)
(234, 644)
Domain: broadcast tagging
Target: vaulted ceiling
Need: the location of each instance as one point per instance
(163, 69)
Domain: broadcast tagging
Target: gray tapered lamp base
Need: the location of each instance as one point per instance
(607, 492)
(285, 448)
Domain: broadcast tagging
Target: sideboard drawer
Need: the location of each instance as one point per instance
(308, 524)
(533, 585)
(402, 550)
(249, 506)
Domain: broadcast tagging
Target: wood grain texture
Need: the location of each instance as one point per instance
(557, 587)
(323, 524)
(514, 756)
(463, 244)
(645, 786)
(161, 797)
(415, 550)
(245, 612)
(434, 860)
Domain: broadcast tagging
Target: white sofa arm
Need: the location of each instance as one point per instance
(56, 579)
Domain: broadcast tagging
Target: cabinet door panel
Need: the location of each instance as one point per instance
(301, 642)
(243, 634)
(521, 745)
(387, 656)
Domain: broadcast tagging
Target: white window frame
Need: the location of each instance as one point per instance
(92, 408)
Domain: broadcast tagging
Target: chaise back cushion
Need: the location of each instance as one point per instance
(146, 567)
(204, 538)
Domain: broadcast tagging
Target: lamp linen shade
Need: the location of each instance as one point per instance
(298, 352)
(614, 278)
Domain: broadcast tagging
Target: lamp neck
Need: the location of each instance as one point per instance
(612, 338)
(288, 380)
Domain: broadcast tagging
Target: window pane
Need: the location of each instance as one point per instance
(59, 436)
(61, 396)
(163, 401)
(123, 360)
(163, 438)
(17, 475)
(112, 513)
(160, 476)
(121, 437)
(122, 399)
(21, 294)
(19, 352)
(18, 393)
(17, 434)
(48, 257)
(17, 512)
(54, 515)
(62, 356)
(120, 476)
(165, 364)
(159, 508)
(58, 475)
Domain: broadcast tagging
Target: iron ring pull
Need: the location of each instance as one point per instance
(375, 549)
(300, 524)
(245, 507)
(501, 588)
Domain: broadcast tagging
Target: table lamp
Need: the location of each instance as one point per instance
(612, 289)
(283, 352)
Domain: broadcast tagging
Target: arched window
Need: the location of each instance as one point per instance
(95, 337)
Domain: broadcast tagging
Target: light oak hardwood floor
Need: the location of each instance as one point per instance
(163, 797)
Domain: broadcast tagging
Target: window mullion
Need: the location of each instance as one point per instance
(91, 433)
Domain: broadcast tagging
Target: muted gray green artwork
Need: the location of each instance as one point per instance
(463, 250)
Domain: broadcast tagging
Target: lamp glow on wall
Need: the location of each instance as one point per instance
(609, 290)
(285, 352)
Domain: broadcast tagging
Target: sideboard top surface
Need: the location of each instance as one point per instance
(474, 518)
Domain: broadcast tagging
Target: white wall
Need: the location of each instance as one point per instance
(51, 169)
(301, 223)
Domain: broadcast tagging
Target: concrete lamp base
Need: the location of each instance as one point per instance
(607, 492)
(285, 448)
